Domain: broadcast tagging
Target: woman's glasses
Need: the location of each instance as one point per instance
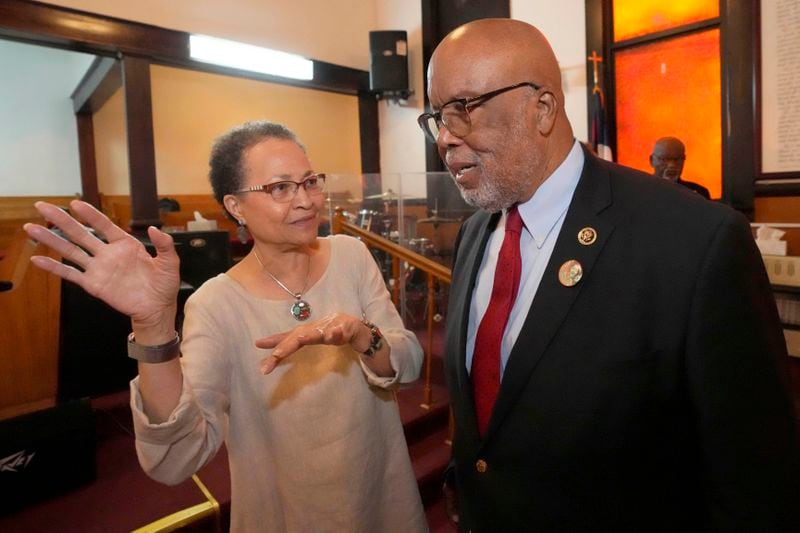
(285, 191)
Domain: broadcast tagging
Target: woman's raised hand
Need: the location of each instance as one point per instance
(119, 272)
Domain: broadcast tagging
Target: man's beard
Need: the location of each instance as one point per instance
(671, 175)
(502, 189)
(492, 194)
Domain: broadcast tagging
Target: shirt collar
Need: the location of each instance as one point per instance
(551, 200)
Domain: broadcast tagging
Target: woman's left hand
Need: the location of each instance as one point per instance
(336, 329)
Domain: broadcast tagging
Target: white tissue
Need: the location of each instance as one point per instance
(769, 241)
(200, 223)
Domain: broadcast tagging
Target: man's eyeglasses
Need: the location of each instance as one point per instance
(454, 115)
(669, 159)
(285, 191)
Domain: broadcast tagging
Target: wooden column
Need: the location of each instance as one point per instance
(100, 81)
(141, 149)
(88, 162)
(370, 140)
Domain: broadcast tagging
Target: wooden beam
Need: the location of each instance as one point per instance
(738, 50)
(87, 32)
(370, 141)
(87, 159)
(102, 79)
(81, 31)
(141, 151)
(38, 23)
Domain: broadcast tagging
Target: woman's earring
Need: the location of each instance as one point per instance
(241, 232)
(241, 222)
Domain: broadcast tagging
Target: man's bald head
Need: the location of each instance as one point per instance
(506, 144)
(502, 45)
(669, 154)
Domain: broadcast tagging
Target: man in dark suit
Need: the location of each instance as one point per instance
(612, 342)
(667, 159)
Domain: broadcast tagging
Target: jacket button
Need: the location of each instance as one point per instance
(481, 466)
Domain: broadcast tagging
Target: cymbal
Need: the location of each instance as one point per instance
(436, 219)
(389, 195)
(341, 200)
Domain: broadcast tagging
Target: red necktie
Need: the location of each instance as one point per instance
(486, 356)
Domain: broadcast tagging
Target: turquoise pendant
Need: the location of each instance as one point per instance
(301, 310)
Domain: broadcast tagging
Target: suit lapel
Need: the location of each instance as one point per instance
(470, 254)
(553, 301)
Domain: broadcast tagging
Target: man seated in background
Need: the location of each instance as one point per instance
(667, 160)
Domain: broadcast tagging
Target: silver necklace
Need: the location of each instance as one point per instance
(300, 309)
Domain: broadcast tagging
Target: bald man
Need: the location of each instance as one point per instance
(667, 159)
(612, 343)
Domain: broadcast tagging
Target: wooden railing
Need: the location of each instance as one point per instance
(433, 271)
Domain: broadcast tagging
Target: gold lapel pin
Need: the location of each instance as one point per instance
(587, 236)
(570, 273)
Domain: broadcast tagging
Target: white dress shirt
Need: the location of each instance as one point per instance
(542, 217)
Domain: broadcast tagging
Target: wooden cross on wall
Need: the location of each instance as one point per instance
(596, 60)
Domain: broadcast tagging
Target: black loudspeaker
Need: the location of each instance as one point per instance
(388, 66)
(46, 453)
(204, 254)
(94, 354)
(93, 358)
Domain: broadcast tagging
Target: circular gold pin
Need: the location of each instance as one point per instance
(570, 273)
(587, 236)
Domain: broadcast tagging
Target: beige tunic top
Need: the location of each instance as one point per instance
(317, 445)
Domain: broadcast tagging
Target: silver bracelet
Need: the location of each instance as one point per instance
(154, 354)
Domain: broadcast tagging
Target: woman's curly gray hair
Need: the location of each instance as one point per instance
(226, 171)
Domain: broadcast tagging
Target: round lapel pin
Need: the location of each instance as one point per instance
(587, 236)
(570, 273)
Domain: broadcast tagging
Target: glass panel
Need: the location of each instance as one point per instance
(672, 88)
(633, 18)
(419, 211)
(428, 204)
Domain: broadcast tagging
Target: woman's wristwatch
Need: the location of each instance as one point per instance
(375, 341)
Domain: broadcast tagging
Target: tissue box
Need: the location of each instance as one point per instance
(783, 270)
(201, 225)
(769, 241)
(771, 247)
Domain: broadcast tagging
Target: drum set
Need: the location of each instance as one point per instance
(431, 243)
(386, 225)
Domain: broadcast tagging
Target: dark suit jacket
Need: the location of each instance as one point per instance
(696, 187)
(645, 398)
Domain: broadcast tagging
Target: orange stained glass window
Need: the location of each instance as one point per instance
(672, 88)
(633, 18)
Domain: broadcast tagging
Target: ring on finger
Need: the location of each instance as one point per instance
(321, 331)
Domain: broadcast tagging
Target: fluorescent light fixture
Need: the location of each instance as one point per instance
(249, 57)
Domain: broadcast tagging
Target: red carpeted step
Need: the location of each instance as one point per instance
(429, 458)
(418, 422)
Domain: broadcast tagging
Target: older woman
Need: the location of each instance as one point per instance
(289, 357)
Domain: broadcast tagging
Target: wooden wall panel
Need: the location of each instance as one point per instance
(29, 314)
(781, 209)
(118, 209)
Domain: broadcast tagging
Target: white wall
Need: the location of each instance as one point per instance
(402, 142)
(402, 145)
(337, 31)
(565, 28)
(38, 134)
